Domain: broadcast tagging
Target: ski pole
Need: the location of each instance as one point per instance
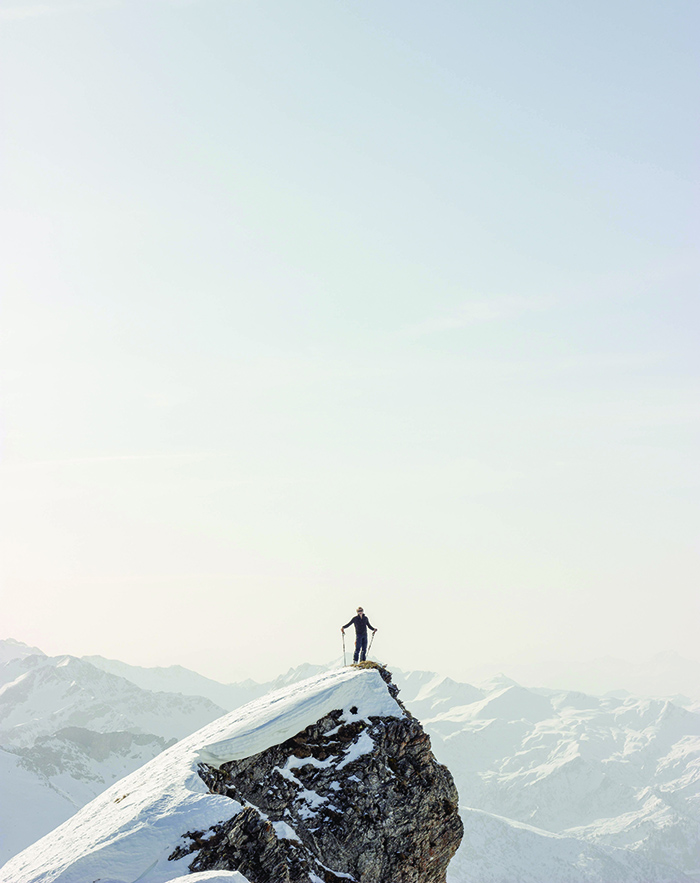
(344, 662)
(371, 642)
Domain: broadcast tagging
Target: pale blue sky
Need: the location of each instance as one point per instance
(314, 304)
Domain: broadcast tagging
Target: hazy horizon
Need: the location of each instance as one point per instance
(311, 306)
(664, 674)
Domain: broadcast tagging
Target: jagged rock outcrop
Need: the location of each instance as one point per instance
(345, 796)
(326, 780)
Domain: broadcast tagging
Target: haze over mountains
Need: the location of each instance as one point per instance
(666, 675)
(554, 784)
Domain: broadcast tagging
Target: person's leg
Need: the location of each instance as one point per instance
(356, 655)
(363, 654)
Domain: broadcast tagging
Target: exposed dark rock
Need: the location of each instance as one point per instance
(345, 796)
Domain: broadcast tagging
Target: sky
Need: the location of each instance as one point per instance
(314, 305)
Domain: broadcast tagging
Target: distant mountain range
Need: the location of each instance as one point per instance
(666, 675)
(554, 784)
(176, 679)
(68, 730)
(608, 772)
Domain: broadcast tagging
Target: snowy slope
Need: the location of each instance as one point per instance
(128, 832)
(81, 763)
(40, 695)
(499, 850)
(11, 649)
(46, 784)
(69, 730)
(609, 772)
(29, 805)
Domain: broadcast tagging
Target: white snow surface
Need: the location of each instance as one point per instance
(211, 877)
(21, 788)
(128, 831)
(499, 850)
(363, 745)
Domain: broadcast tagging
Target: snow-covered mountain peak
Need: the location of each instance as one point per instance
(11, 649)
(498, 682)
(509, 703)
(135, 829)
(301, 673)
(42, 694)
(573, 699)
(427, 693)
(267, 721)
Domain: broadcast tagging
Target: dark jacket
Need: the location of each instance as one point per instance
(361, 624)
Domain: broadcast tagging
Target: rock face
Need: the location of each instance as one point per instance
(326, 780)
(364, 797)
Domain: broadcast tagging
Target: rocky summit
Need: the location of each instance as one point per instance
(327, 780)
(364, 797)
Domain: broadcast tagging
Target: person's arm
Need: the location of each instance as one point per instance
(369, 624)
(347, 625)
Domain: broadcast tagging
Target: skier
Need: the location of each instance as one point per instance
(361, 624)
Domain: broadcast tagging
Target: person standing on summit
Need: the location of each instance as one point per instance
(361, 624)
